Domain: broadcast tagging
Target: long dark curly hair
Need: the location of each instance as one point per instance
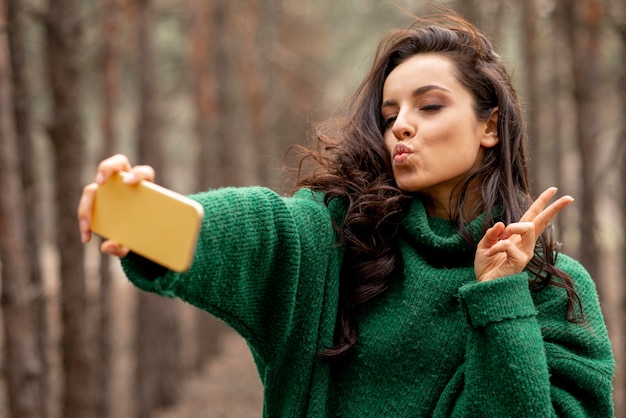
(352, 164)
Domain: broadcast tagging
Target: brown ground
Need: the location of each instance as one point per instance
(228, 387)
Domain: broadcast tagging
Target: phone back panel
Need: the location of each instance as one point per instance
(152, 221)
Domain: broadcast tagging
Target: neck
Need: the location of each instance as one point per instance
(437, 208)
(441, 206)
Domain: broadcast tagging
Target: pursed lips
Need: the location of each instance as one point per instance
(401, 153)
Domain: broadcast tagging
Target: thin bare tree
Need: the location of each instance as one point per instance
(618, 13)
(17, 27)
(584, 20)
(531, 87)
(110, 89)
(23, 365)
(63, 45)
(470, 10)
(207, 117)
(252, 75)
(234, 157)
(157, 348)
(558, 90)
(202, 41)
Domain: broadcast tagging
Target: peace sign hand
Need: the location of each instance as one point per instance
(507, 250)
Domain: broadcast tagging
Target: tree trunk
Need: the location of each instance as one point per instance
(31, 193)
(22, 362)
(470, 10)
(584, 41)
(233, 131)
(158, 335)
(252, 75)
(202, 54)
(620, 381)
(493, 20)
(620, 384)
(62, 52)
(531, 90)
(109, 101)
(202, 34)
(557, 90)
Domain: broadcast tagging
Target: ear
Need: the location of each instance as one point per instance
(490, 133)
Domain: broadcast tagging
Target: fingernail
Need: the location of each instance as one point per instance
(99, 178)
(130, 178)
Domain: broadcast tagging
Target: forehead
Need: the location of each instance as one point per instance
(421, 70)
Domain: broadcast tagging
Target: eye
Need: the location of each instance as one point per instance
(388, 121)
(431, 107)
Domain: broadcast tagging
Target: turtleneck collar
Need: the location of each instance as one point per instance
(437, 238)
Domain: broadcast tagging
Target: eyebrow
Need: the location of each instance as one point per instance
(417, 92)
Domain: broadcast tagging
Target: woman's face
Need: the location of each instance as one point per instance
(432, 131)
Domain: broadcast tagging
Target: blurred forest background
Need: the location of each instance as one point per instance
(213, 93)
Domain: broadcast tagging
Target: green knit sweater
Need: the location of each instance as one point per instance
(438, 343)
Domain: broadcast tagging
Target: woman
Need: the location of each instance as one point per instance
(410, 274)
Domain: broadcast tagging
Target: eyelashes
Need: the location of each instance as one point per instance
(431, 107)
(388, 121)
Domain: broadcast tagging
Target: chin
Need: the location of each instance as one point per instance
(408, 189)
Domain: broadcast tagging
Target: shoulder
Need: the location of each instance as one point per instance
(315, 200)
(256, 199)
(583, 282)
(552, 301)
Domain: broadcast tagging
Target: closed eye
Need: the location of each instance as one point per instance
(431, 107)
(389, 121)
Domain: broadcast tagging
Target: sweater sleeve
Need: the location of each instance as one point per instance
(524, 358)
(248, 262)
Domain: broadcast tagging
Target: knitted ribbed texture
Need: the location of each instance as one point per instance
(436, 344)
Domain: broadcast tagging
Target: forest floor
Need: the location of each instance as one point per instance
(229, 387)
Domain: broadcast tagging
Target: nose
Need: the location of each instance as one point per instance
(403, 128)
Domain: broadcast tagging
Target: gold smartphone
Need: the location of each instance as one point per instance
(154, 222)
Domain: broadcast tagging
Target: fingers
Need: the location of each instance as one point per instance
(131, 175)
(541, 215)
(120, 163)
(516, 239)
(492, 236)
(543, 219)
(106, 168)
(110, 166)
(85, 208)
(114, 248)
(139, 173)
(518, 228)
(506, 250)
(538, 205)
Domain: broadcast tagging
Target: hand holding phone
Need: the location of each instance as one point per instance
(152, 221)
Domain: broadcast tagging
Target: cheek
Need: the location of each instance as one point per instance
(388, 141)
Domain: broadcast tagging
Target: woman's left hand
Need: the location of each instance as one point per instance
(507, 250)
